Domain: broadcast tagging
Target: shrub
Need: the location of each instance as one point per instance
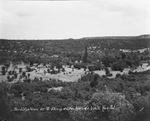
(118, 75)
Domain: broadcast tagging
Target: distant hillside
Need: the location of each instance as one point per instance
(76, 45)
(145, 36)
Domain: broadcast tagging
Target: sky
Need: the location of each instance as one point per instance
(73, 19)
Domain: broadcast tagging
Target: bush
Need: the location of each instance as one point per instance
(117, 66)
(28, 69)
(79, 65)
(3, 70)
(94, 83)
(107, 71)
(118, 75)
(91, 68)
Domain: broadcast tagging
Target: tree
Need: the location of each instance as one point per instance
(20, 70)
(15, 75)
(23, 74)
(28, 75)
(128, 62)
(28, 69)
(105, 106)
(85, 55)
(123, 55)
(118, 75)
(94, 81)
(91, 68)
(117, 66)
(67, 93)
(79, 65)
(63, 69)
(107, 71)
(48, 70)
(3, 70)
(108, 60)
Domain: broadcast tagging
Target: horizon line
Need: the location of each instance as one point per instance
(88, 37)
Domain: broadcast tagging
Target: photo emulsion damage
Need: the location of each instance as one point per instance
(79, 60)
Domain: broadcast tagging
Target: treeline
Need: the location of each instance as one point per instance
(72, 49)
(132, 43)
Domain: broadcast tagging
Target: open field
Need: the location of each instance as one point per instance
(68, 76)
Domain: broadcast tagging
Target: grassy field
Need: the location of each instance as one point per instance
(68, 76)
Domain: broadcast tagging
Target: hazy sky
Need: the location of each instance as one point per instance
(73, 19)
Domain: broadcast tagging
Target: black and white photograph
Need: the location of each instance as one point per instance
(74, 60)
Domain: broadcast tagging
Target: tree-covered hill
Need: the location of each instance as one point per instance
(71, 48)
(123, 42)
